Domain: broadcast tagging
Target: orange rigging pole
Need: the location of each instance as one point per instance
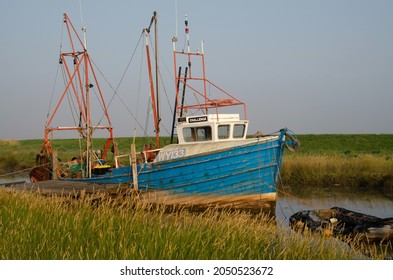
(154, 98)
(203, 102)
(79, 83)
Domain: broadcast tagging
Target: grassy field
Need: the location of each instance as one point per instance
(348, 160)
(346, 144)
(37, 227)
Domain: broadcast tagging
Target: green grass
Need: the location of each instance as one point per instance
(34, 227)
(346, 144)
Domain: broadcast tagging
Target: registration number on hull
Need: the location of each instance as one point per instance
(168, 155)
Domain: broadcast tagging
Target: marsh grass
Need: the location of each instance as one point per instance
(38, 227)
(359, 161)
(366, 170)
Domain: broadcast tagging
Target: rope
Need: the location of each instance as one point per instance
(21, 171)
(307, 202)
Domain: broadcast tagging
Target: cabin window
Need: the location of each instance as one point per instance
(238, 130)
(223, 131)
(192, 134)
(188, 134)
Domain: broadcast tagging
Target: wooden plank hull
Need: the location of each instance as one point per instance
(241, 176)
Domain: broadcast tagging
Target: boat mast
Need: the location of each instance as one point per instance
(78, 84)
(154, 101)
(156, 58)
(89, 152)
(187, 31)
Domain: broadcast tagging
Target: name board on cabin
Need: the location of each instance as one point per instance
(197, 119)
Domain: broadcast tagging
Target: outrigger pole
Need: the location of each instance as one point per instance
(154, 97)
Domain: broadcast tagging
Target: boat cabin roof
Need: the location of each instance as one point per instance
(211, 127)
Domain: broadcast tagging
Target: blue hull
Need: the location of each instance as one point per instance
(239, 177)
(121, 175)
(244, 176)
(241, 170)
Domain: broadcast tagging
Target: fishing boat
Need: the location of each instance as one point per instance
(211, 161)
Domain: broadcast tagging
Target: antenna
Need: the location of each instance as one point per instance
(80, 10)
(187, 30)
(83, 26)
(174, 38)
(176, 17)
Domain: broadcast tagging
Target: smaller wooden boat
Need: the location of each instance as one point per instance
(342, 222)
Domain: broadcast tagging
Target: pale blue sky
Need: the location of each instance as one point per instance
(312, 66)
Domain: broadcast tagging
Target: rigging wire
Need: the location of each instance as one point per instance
(139, 88)
(53, 92)
(117, 95)
(70, 100)
(57, 71)
(115, 90)
(148, 112)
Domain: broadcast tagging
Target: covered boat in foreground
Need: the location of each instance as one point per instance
(210, 162)
(339, 221)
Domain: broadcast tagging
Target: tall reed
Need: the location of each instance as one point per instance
(37, 227)
(350, 171)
